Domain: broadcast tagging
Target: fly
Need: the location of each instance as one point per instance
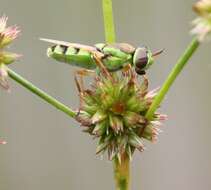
(114, 57)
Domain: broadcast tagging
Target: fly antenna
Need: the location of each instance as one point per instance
(158, 52)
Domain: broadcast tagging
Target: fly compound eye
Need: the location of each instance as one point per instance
(140, 58)
(140, 71)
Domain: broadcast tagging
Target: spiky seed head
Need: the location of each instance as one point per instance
(7, 35)
(202, 24)
(203, 7)
(113, 111)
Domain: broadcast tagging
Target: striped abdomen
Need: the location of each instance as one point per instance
(72, 56)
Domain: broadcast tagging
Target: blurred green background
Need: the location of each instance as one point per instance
(46, 150)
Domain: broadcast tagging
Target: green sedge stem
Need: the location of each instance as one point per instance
(108, 21)
(172, 76)
(121, 170)
(122, 173)
(28, 85)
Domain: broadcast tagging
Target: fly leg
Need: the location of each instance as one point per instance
(81, 73)
(127, 70)
(101, 66)
(80, 85)
(85, 72)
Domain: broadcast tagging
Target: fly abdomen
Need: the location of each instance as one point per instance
(71, 55)
(64, 49)
(57, 52)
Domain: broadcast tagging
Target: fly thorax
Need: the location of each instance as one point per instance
(100, 46)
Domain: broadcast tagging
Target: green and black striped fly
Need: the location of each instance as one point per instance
(113, 56)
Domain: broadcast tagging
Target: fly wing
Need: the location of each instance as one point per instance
(75, 45)
(127, 48)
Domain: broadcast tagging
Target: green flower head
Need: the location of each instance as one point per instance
(113, 111)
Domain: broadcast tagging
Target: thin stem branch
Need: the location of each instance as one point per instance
(28, 85)
(108, 21)
(172, 76)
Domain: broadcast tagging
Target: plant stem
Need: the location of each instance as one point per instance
(108, 21)
(28, 85)
(172, 76)
(121, 170)
(122, 173)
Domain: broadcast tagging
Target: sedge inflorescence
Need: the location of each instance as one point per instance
(113, 111)
(202, 24)
(7, 35)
